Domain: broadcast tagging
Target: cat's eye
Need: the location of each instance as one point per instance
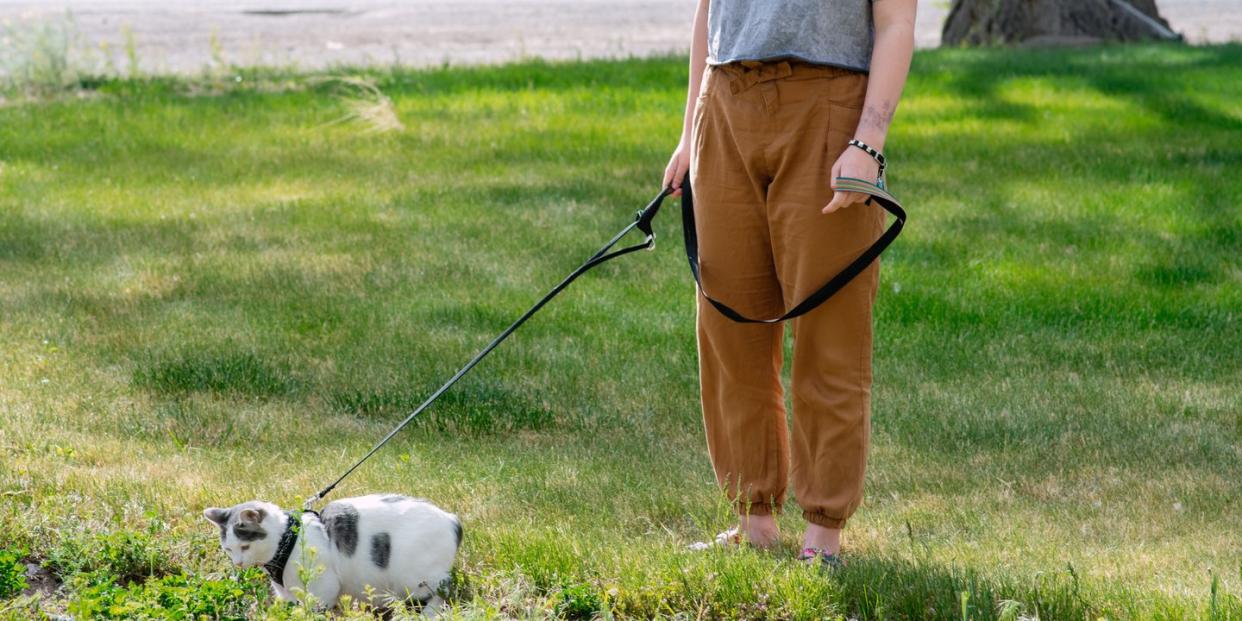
(244, 548)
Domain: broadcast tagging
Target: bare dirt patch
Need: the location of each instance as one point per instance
(40, 581)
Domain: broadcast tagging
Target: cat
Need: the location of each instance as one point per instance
(402, 548)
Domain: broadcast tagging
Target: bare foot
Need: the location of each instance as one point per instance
(827, 540)
(760, 530)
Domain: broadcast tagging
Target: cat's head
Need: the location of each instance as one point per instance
(249, 532)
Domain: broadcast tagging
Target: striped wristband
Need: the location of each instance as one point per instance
(879, 157)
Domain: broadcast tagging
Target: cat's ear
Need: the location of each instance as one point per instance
(216, 515)
(251, 516)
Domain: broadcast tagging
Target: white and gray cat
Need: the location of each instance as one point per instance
(401, 547)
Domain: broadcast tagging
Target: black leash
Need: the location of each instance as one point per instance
(642, 221)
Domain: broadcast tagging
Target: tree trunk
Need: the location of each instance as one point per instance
(1053, 22)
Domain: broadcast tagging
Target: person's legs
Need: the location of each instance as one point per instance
(832, 344)
(739, 364)
(762, 156)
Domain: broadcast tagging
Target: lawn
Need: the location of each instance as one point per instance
(224, 288)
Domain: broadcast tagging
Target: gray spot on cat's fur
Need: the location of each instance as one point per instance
(381, 548)
(247, 522)
(341, 522)
(457, 531)
(395, 498)
(249, 532)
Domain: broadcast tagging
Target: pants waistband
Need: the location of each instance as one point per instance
(744, 74)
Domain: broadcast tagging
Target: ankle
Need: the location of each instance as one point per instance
(760, 530)
(827, 540)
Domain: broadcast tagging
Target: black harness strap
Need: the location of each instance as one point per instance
(275, 568)
(877, 195)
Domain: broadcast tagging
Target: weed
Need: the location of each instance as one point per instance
(117, 556)
(131, 52)
(365, 103)
(174, 597)
(578, 601)
(40, 59)
(12, 573)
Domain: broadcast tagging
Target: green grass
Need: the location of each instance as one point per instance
(212, 292)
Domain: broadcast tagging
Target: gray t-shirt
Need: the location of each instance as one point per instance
(825, 32)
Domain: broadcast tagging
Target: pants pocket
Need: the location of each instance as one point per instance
(842, 124)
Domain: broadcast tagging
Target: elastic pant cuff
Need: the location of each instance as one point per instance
(758, 508)
(821, 519)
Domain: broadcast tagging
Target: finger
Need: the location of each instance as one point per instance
(670, 180)
(679, 173)
(833, 204)
(841, 199)
(680, 176)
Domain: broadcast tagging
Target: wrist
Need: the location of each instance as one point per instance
(873, 139)
(875, 154)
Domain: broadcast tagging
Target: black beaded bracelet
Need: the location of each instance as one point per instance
(879, 157)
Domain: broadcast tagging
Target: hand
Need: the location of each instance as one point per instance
(854, 162)
(677, 167)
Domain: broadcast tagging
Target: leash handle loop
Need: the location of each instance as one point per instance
(647, 214)
(877, 194)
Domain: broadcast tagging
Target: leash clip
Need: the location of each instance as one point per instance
(310, 502)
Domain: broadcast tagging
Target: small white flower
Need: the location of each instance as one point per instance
(1177, 506)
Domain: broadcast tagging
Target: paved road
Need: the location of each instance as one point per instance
(189, 35)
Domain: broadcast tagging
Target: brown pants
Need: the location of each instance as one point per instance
(765, 138)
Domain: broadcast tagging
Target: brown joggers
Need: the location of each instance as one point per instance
(765, 138)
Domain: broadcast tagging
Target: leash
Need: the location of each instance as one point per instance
(642, 221)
